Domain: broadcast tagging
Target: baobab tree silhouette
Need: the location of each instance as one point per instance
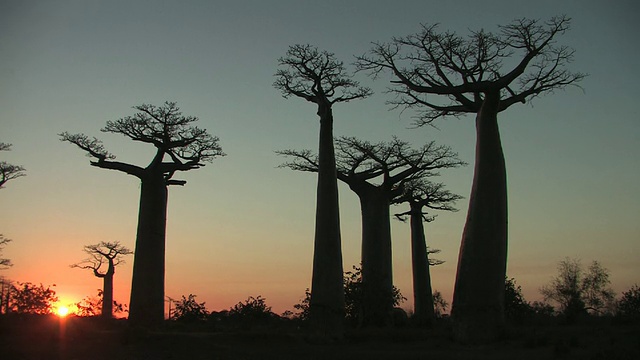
(102, 261)
(319, 78)
(361, 164)
(179, 147)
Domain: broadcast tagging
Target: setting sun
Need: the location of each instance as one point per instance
(63, 311)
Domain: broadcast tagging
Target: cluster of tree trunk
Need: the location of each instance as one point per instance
(469, 72)
(378, 173)
(466, 71)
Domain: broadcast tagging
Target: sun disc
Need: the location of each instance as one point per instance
(63, 311)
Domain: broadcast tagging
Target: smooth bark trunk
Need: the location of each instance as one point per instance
(326, 311)
(146, 308)
(377, 267)
(478, 301)
(107, 296)
(422, 291)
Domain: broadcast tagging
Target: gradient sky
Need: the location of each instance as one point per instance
(243, 227)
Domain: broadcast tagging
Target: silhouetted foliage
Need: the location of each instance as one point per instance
(577, 291)
(303, 306)
(8, 171)
(629, 304)
(542, 309)
(516, 308)
(188, 309)
(440, 305)
(28, 298)
(179, 146)
(354, 295)
(4, 263)
(253, 309)
(92, 306)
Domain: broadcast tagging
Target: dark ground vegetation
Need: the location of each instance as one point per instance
(221, 337)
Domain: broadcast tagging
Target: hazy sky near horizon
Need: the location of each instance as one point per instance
(244, 227)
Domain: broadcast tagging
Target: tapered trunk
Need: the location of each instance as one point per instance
(478, 301)
(107, 295)
(422, 292)
(326, 311)
(377, 268)
(146, 307)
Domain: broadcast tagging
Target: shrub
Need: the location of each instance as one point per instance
(629, 305)
(29, 298)
(253, 309)
(440, 305)
(189, 310)
(516, 308)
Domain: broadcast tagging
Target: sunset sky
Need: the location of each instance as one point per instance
(244, 227)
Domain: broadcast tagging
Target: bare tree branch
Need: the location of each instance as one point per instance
(443, 74)
(317, 77)
(4, 263)
(9, 171)
(109, 253)
(185, 147)
(394, 161)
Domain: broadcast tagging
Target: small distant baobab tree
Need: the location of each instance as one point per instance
(376, 172)
(483, 74)
(319, 78)
(102, 261)
(8, 171)
(420, 194)
(179, 147)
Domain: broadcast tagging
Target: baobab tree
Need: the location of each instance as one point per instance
(319, 78)
(102, 261)
(8, 171)
(376, 173)
(484, 74)
(179, 147)
(420, 194)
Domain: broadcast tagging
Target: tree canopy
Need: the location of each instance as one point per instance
(440, 73)
(180, 146)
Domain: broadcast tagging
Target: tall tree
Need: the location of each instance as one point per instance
(179, 147)
(102, 261)
(420, 194)
(376, 173)
(8, 171)
(472, 75)
(319, 78)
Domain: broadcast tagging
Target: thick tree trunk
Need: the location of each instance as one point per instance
(326, 311)
(107, 295)
(377, 267)
(422, 292)
(478, 301)
(146, 308)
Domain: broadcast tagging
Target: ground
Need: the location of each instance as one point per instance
(47, 337)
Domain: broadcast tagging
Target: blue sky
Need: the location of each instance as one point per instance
(242, 226)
